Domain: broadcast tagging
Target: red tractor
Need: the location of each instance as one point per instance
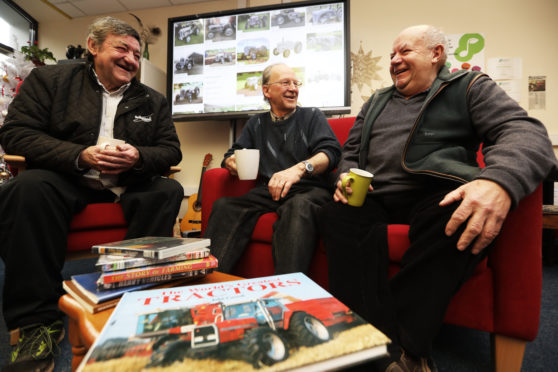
(259, 331)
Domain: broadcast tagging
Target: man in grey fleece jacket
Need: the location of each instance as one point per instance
(420, 138)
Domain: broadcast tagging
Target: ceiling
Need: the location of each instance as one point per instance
(56, 10)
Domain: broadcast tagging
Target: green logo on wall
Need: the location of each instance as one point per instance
(469, 45)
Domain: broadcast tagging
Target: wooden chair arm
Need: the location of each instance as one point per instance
(15, 162)
(174, 169)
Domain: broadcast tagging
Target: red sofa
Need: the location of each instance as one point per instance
(502, 297)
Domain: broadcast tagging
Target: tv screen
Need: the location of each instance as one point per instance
(215, 61)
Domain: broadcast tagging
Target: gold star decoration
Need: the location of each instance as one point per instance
(365, 68)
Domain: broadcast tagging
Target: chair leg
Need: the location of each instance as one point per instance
(507, 353)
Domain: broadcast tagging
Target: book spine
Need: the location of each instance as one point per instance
(141, 262)
(124, 264)
(116, 266)
(165, 252)
(117, 251)
(197, 255)
(183, 266)
(155, 279)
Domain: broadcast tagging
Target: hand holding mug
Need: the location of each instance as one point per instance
(230, 164)
(354, 186)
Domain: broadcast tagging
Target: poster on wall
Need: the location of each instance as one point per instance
(537, 92)
(466, 52)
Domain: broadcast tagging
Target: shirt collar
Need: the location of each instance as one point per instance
(275, 118)
(117, 92)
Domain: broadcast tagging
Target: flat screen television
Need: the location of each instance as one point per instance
(215, 60)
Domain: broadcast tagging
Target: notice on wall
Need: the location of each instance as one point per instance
(507, 73)
(537, 92)
(503, 68)
(511, 87)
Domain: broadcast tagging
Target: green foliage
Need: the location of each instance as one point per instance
(35, 54)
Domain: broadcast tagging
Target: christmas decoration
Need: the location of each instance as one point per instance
(13, 70)
(365, 69)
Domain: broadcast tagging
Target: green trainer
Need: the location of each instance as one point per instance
(36, 348)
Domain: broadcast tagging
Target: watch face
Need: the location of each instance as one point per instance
(309, 167)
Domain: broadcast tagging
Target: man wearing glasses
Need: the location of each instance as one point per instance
(298, 150)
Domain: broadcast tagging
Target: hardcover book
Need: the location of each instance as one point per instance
(152, 246)
(94, 300)
(85, 301)
(158, 270)
(87, 285)
(276, 323)
(122, 262)
(192, 274)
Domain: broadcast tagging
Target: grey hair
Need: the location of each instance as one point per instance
(434, 36)
(102, 27)
(266, 75)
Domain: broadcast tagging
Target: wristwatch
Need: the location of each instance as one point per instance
(308, 168)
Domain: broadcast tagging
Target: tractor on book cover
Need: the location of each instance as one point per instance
(261, 331)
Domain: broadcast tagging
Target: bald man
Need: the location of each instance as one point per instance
(419, 138)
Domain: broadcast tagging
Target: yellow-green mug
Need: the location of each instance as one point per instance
(358, 180)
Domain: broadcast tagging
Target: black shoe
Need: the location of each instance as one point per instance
(36, 348)
(408, 363)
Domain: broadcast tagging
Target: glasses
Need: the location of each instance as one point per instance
(287, 83)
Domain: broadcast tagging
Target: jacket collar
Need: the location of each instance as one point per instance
(133, 86)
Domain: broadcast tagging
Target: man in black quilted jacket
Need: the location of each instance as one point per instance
(90, 133)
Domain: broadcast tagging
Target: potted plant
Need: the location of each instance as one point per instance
(35, 54)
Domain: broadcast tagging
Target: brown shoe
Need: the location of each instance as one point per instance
(408, 363)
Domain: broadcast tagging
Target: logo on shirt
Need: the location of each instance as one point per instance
(142, 119)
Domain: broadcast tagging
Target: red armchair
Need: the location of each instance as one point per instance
(502, 297)
(96, 223)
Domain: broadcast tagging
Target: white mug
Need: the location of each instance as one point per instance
(247, 163)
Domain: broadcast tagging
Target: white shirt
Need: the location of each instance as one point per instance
(93, 178)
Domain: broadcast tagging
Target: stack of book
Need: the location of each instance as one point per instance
(141, 263)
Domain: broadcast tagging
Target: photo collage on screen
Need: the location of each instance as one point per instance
(218, 61)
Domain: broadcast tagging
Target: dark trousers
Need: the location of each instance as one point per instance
(37, 207)
(409, 307)
(295, 235)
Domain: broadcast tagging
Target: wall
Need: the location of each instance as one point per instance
(512, 28)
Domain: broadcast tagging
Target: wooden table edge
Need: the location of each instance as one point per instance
(84, 327)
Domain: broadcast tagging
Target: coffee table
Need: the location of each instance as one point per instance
(84, 327)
